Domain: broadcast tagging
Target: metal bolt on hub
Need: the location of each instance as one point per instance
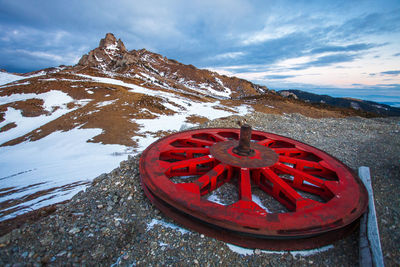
(243, 148)
(320, 197)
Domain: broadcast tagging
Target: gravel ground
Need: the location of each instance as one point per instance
(113, 223)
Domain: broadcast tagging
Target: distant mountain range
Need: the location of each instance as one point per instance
(357, 104)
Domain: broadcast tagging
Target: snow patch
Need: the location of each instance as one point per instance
(165, 224)
(9, 78)
(304, 253)
(214, 198)
(6, 77)
(240, 250)
(224, 94)
(105, 103)
(257, 200)
(15, 84)
(48, 80)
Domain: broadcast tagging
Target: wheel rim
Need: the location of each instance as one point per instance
(319, 192)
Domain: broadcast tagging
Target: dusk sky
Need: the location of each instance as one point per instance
(341, 48)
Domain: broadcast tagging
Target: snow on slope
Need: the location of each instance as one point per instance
(6, 77)
(183, 107)
(9, 78)
(53, 163)
(26, 124)
(60, 164)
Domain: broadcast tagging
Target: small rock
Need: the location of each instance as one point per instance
(62, 253)
(74, 230)
(5, 239)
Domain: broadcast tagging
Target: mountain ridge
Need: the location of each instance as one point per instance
(111, 55)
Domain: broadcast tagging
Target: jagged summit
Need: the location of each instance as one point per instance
(107, 55)
(112, 55)
(111, 43)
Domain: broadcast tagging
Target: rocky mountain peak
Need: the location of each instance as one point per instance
(111, 43)
(108, 40)
(107, 55)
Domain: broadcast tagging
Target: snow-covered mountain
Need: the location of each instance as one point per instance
(61, 127)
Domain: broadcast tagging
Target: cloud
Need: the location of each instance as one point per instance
(347, 48)
(389, 85)
(370, 24)
(331, 59)
(229, 55)
(24, 49)
(326, 61)
(277, 76)
(268, 33)
(274, 50)
(56, 58)
(391, 72)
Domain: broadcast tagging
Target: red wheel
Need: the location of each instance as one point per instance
(319, 197)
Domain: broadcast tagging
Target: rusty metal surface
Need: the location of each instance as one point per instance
(243, 148)
(320, 194)
(261, 157)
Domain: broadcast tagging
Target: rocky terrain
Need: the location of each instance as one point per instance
(113, 223)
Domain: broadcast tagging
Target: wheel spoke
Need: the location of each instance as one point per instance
(280, 185)
(245, 185)
(219, 138)
(189, 166)
(300, 176)
(186, 152)
(201, 142)
(286, 150)
(300, 163)
(265, 142)
(306, 182)
(281, 191)
(211, 178)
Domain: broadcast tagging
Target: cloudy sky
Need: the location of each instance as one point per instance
(343, 48)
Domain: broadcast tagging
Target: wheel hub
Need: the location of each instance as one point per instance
(260, 156)
(244, 153)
